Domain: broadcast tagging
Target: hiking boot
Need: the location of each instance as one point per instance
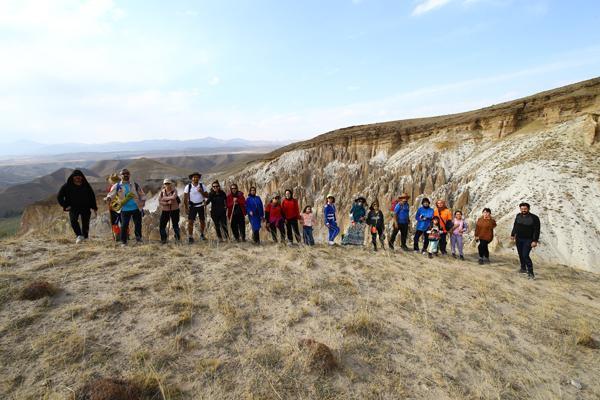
(531, 276)
(522, 271)
(461, 257)
(405, 248)
(79, 239)
(163, 241)
(190, 240)
(486, 260)
(480, 261)
(430, 255)
(453, 255)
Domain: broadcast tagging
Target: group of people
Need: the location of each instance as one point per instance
(434, 225)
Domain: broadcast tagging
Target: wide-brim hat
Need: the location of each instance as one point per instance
(404, 196)
(194, 174)
(330, 196)
(360, 198)
(167, 182)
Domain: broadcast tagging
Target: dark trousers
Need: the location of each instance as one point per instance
(443, 242)
(273, 227)
(292, 224)
(425, 240)
(374, 238)
(307, 234)
(220, 221)
(126, 216)
(238, 227)
(173, 215)
(483, 248)
(256, 236)
(84, 229)
(524, 248)
(403, 229)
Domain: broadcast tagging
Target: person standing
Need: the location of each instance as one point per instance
(236, 212)
(256, 214)
(291, 213)
(526, 233)
(218, 210)
(445, 216)
(308, 220)
(401, 215)
(194, 205)
(77, 197)
(130, 202)
(168, 199)
(433, 235)
(274, 218)
(355, 234)
(423, 216)
(484, 233)
(375, 221)
(330, 219)
(459, 228)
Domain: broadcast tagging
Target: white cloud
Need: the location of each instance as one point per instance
(214, 81)
(426, 6)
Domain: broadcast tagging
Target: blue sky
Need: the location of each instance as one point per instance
(101, 70)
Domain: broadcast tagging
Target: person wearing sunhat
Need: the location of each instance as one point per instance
(77, 197)
(401, 215)
(330, 219)
(356, 231)
(195, 195)
(130, 200)
(168, 199)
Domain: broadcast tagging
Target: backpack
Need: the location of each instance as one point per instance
(177, 197)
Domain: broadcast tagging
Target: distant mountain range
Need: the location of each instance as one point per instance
(28, 148)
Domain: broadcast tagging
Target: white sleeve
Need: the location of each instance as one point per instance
(186, 189)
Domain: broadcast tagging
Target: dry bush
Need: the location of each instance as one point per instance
(320, 356)
(110, 389)
(363, 324)
(584, 337)
(37, 290)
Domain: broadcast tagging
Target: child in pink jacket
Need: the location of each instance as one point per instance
(308, 220)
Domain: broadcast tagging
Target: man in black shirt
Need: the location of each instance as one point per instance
(526, 233)
(78, 198)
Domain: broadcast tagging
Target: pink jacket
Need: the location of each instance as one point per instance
(168, 201)
(307, 219)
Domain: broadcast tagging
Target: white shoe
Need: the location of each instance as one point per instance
(331, 243)
(79, 239)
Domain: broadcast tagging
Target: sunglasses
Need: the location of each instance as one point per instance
(216, 186)
(233, 188)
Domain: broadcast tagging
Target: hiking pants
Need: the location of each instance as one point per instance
(456, 241)
(524, 248)
(334, 230)
(256, 236)
(238, 226)
(292, 224)
(307, 234)
(274, 226)
(403, 229)
(442, 244)
(173, 215)
(220, 221)
(126, 216)
(84, 229)
(483, 248)
(418, 237)
(374, 238)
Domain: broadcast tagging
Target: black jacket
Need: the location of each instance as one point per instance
(526, 227)
(376, 219)
(80, 197)
(218, 201)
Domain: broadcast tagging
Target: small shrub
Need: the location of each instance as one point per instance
(37, 290)
(321, 357)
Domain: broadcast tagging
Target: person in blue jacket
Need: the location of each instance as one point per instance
(401, 217)
(423, 216)
(256, 213)
(330, 219)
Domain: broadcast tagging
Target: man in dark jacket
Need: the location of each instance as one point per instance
(218, 210)
(78, 198)
(526, 233)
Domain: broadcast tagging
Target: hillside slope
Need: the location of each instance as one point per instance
(226, 323)
(542, 149)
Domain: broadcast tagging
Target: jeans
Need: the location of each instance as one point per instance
(84, 229)
(126, 216)
(403, 229)
(483, 248)
(334, 230)
(307, 233)
(292, 224)
(238, 227)
(173, 215)
(425, 240)
(456, 241)
(256, 236)
(220, 221)
(524, 248)
(274, 226)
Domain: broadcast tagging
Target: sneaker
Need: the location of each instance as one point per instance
(531, 276)
(331, 243)
(461, 257)
(522, 271)
(453, 255)
(163, 242)
(405, 248)
(190, 240)
(430, 255)
(416, 250)
(480, 261)
(139, 240)
(486, 260)
(423, 252)
(123, 244)
(79, 239)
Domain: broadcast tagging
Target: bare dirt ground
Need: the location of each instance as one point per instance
(230, 321)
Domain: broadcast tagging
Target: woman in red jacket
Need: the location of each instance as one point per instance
(291, 213)
(274, 219)
(236, 212)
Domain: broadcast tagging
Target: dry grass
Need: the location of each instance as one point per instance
(37, 290)
(234, 323)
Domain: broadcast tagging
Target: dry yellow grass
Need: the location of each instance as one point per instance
(226, 324)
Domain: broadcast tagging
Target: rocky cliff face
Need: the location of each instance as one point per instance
(541, 149)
